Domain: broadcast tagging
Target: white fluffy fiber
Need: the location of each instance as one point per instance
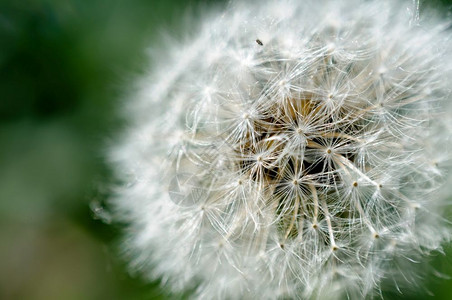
(290, 149)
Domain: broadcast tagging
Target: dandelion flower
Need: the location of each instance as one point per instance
(290, 149)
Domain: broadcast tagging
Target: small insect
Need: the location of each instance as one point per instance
(258, 41)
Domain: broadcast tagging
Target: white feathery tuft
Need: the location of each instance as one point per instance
(292, 149)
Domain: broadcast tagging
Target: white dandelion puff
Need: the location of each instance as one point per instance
(292, 149)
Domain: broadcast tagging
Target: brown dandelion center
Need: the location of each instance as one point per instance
(280, 156)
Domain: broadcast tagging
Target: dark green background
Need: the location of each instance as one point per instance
(63, 67)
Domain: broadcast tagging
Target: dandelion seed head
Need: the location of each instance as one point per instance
(290, 149)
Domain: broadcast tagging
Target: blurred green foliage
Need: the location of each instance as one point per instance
(64, 64)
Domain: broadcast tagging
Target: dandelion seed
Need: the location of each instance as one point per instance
(312, 167)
